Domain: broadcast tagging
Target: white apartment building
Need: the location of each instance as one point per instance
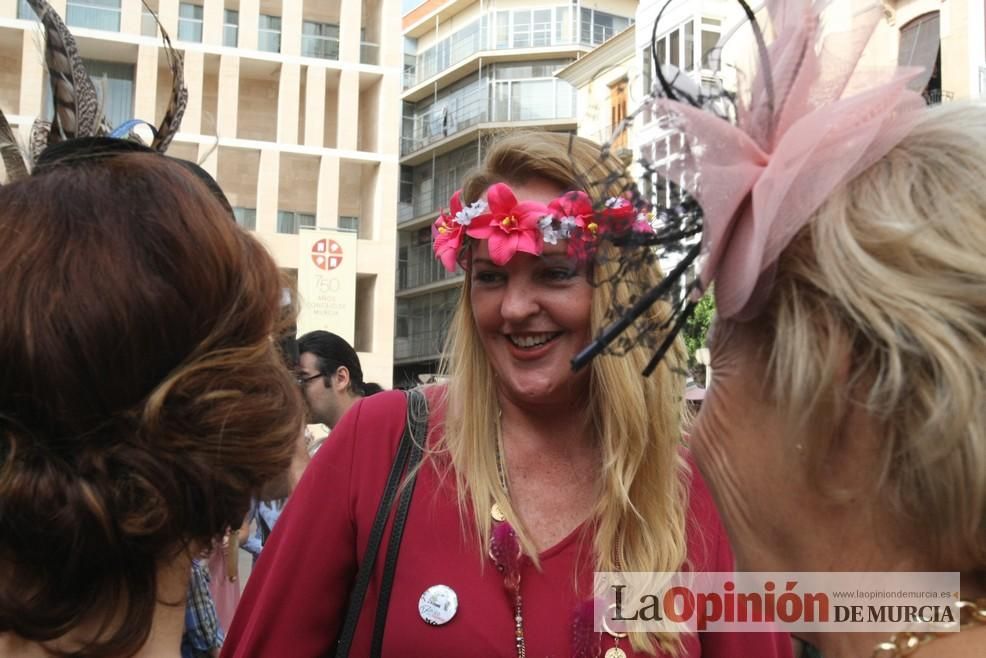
(293, 108)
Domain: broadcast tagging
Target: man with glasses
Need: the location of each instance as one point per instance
(330, 376)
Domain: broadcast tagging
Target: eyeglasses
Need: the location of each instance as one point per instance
(304, 380)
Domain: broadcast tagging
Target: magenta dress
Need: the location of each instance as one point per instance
(295, 600)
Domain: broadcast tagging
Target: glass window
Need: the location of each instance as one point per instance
(320, 40)
(116, 80)
(465, 42)
(291, 222)
(541, 27)
(522, 29)
(662, 50)
(231, 27)
(603, 27)
(501, 101)
(532, 100)
(689, 46)
(709, 41)
(349, 224)
(95, 14)
(563, 25)
(585, 28)
(246, 217)
(269, 34)
(502, 29)
(674, 43)
(25, 12)
(190, 22)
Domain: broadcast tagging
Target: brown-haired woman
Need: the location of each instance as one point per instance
(142, 397)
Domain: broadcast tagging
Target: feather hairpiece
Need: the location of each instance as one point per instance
(77, 109)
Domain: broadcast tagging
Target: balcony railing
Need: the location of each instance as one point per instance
(319, 46)
(369, 53)
(514, 100)
(420, 345)
(936, 96)
(421, 269)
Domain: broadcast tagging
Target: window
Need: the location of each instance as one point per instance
(618, 110)
(920, 45)
(95, 14)
(116, 80)
(290, 222)
(231, 27)
(25, 12)
(246, 217)
(502, 29)
(190, 22)
(674, 45)
(563, 25)
(320, 40)
(541, 27)
(689, 45)
(349, 223)
(269, 34)
(522, 29)
(148, 26)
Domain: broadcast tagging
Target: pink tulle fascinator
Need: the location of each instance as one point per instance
(807, 117)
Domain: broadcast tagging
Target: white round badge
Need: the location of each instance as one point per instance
(438, 604)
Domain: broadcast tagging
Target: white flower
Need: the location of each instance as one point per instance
(470, 212)
(568, 226)
(548, 231)
(615, 202)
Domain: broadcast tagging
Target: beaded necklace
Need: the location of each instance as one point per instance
(507, 556)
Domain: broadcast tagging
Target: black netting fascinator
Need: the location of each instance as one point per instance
(749, 168)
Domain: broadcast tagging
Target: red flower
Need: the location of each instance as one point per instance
(448, 234)
(509, 226)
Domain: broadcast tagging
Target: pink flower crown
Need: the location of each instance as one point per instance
(511, 226)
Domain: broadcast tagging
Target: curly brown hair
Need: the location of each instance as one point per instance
(142, 398)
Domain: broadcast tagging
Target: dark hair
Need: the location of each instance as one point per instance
(331, 352)
(142, 398)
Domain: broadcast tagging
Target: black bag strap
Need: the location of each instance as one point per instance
(409, 453)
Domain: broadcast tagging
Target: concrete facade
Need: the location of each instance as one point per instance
(293, 107)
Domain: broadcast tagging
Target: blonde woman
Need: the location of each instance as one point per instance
(577, 472)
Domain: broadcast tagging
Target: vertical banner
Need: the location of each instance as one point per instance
(327, 282)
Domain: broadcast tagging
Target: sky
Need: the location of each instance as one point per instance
(408, 5)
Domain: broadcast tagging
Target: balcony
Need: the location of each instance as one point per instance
(539, 99)
(516, 29)
(421, 268)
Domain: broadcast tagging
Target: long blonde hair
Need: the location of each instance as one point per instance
(639, 519)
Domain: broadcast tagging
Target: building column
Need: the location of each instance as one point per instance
(213, 18)
(385, 199)
(327, 201)
(389, 109)
(347, 120)
(59, 6)
(249, 23)
(32, 77)
(268, 176)
(315, 107)
(194, 70)
(291, 20)
(350, 23)
(167, 13)
(229, 94)
(145, 84)
(391, 50)
(287, 103)
(130, 16)
(8, 8)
